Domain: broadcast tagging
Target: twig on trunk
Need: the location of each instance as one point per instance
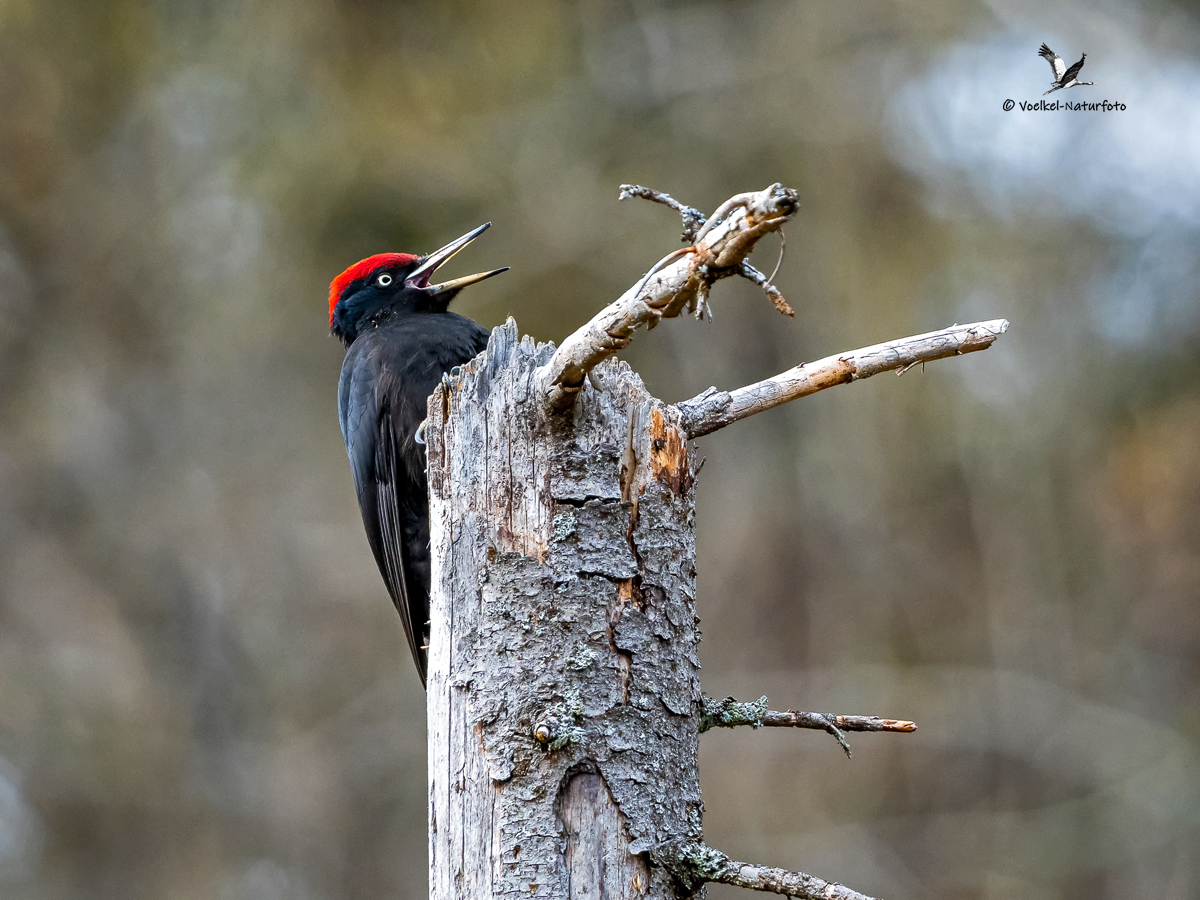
(693, 219)
(781, 881)
(696, 864)
(795, 719)
(730, 713)
(715, 409)
(682, 284)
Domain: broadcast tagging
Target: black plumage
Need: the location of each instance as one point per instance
(400, 339)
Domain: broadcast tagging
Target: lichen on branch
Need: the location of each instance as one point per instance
(695, 864)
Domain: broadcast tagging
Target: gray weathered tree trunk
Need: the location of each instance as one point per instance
(563, 685)
(564, 698)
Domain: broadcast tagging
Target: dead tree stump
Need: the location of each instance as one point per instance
(563, 678)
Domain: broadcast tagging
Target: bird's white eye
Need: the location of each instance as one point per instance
(384, 280)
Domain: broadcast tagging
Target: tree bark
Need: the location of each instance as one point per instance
(563, 693)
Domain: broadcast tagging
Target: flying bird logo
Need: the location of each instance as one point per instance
(1063, 77)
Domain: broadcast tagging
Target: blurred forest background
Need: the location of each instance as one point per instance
(204, 690)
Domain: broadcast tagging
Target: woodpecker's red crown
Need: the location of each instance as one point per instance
(363, 269)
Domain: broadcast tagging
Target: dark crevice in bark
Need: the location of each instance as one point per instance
(581, 502)
(624, 657)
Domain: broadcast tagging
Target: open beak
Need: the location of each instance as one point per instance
(419, 278)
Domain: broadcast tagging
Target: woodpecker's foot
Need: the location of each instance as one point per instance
(419, 436)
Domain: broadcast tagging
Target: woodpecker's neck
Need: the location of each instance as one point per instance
(367, 310)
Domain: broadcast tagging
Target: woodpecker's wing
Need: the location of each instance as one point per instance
(1055, 61)
(403, 521)
(387, 377)
(390, 502)
(1073, 71)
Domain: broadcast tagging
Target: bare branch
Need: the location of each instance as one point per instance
(693, 219)
(696, 864)
(772, 292)
(683, 284)
(796, 719)
(715, 409)
(781, 881)
(730, 713)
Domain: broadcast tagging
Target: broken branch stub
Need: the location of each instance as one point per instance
(713, 409)
(683, 283)
(772, 292)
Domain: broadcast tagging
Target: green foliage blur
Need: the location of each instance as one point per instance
(204, 689)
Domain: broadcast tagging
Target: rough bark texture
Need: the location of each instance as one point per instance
(563, 695)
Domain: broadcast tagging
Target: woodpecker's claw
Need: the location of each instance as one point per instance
(419, 436)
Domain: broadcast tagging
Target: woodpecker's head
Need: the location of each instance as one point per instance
(388, 283)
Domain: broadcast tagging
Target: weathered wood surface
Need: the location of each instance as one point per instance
(563, 607)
